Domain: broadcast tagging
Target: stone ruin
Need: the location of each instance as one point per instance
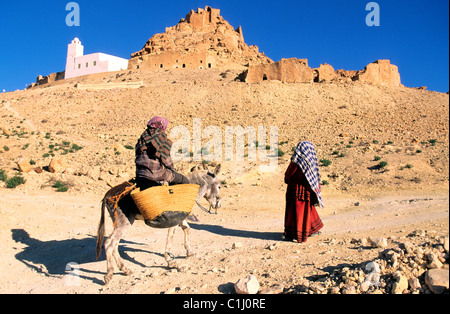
(380, 72)
(204, 39)
(201, 40)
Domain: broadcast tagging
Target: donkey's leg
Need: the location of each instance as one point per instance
(112, 248)
(187, 244)
(167, 255)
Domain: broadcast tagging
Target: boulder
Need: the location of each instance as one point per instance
(57, 165)
(247, 285)
(380, 242)
(437, 280)
(400, 285)
(24, 166)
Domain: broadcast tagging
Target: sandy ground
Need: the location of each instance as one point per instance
(41, 233)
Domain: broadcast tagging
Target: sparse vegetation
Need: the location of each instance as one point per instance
(60, 186)
(3, 176)
(382, 164)
(14, 182)
(325, 162)
(76, 147)
(280, 153)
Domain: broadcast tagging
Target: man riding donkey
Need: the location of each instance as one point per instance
(153, 161)
(154, 165)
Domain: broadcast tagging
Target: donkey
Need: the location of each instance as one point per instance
(126, 212)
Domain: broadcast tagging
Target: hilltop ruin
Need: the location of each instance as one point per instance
(201, 40)
(380, 72)
(205, 40)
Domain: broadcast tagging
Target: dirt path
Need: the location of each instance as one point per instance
(42, 232)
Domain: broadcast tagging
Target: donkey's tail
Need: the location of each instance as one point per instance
(100, 231)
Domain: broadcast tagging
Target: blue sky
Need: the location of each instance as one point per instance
(413, 34)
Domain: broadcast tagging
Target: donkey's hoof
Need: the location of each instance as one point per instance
(172, 264)
(107, 279)
(190, 254)
(126, 271)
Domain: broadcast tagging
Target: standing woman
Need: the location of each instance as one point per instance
(303, 194)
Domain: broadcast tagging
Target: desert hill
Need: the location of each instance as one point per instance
(354, 125)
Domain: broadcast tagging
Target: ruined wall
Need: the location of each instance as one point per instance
(41, 80)
(380, 72)
(202, 17)
(173, 60)
(286, 70)
(324, 73)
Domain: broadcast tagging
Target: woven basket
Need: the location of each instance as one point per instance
(154, 201)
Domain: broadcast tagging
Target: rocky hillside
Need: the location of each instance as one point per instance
(368, 137)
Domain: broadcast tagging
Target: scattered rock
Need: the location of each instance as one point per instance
(400, 269)
(236, 245)
(349, 289)
(24, 166)
(414, 283)
(434, 261)
(57, 165)
(401, 284)
(247, 285)
(380, 242)
(119, 148)
(437, 280)
(445, 244)
(6, 132)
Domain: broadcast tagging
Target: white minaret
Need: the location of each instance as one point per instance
(74, 50)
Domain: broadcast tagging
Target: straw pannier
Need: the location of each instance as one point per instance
(154, 201)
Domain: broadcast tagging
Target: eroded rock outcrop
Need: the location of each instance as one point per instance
(203, 39)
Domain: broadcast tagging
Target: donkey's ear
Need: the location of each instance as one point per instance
(205, 167)
(217, 170)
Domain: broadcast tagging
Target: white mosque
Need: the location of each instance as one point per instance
(79, 64)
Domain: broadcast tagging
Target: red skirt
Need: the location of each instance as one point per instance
(301, 217)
